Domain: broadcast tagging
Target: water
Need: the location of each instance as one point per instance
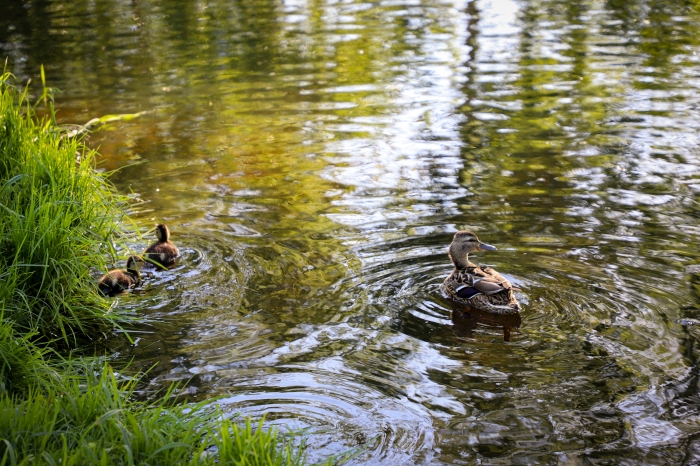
(314, 159)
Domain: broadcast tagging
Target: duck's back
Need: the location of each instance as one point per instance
(496, 277)
(483, 288)
(163, 252)
(116, 281)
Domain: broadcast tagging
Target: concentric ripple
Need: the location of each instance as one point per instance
(314, 160)
(338, 412)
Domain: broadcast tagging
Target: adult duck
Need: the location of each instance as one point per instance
(119, 280)
(479, 287)
(163, 252)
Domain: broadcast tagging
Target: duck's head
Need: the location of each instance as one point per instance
(134, 264)
(162, 232)
(465, 242)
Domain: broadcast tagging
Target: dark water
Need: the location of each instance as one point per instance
(313, 160)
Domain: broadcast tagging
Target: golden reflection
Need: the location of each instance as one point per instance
(312, 157)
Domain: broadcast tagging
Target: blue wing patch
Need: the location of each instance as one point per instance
(466, 292)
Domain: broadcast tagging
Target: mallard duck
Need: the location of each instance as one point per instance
(118, 280)
(163, 252)
(479, 287)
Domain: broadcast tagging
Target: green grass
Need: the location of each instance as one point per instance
(94, 420)
(58, 220)
(23, 364)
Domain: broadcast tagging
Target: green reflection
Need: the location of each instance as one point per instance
(313, 159)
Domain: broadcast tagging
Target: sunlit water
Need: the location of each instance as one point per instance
(314, 159)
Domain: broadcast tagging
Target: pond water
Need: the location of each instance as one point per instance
(313, 160)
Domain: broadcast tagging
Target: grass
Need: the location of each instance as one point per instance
(93, 420)
(58, 220)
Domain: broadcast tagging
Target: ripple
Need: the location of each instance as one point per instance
(341, 413)
(318, 158)
(211, 273)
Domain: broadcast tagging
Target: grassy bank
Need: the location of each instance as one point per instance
(58, 221)
(91, 418)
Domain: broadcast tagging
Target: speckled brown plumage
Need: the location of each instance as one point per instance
(119, 280)
(479, 287)
(163, 252)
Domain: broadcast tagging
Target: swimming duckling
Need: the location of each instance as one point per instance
(163, 252)
(479, 287)
(118, 280)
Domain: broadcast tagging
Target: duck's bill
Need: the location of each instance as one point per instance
(487, 247)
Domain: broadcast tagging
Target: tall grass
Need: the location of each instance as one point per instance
(23, 364)
(58, 218)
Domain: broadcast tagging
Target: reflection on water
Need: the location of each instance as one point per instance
(314, 159)
(466, 321)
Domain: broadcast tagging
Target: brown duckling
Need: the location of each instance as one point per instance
(163, 252)
(479, 287)
(118, 280)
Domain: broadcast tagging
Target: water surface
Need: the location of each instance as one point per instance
(313, 160)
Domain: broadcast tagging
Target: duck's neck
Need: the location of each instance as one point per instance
(461, 261)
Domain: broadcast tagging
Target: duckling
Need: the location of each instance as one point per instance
(118, 280)
(163, 252)
(479, 287)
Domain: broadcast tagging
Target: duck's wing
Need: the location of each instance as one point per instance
(460, 284)
(469, 282)
(495, 279)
